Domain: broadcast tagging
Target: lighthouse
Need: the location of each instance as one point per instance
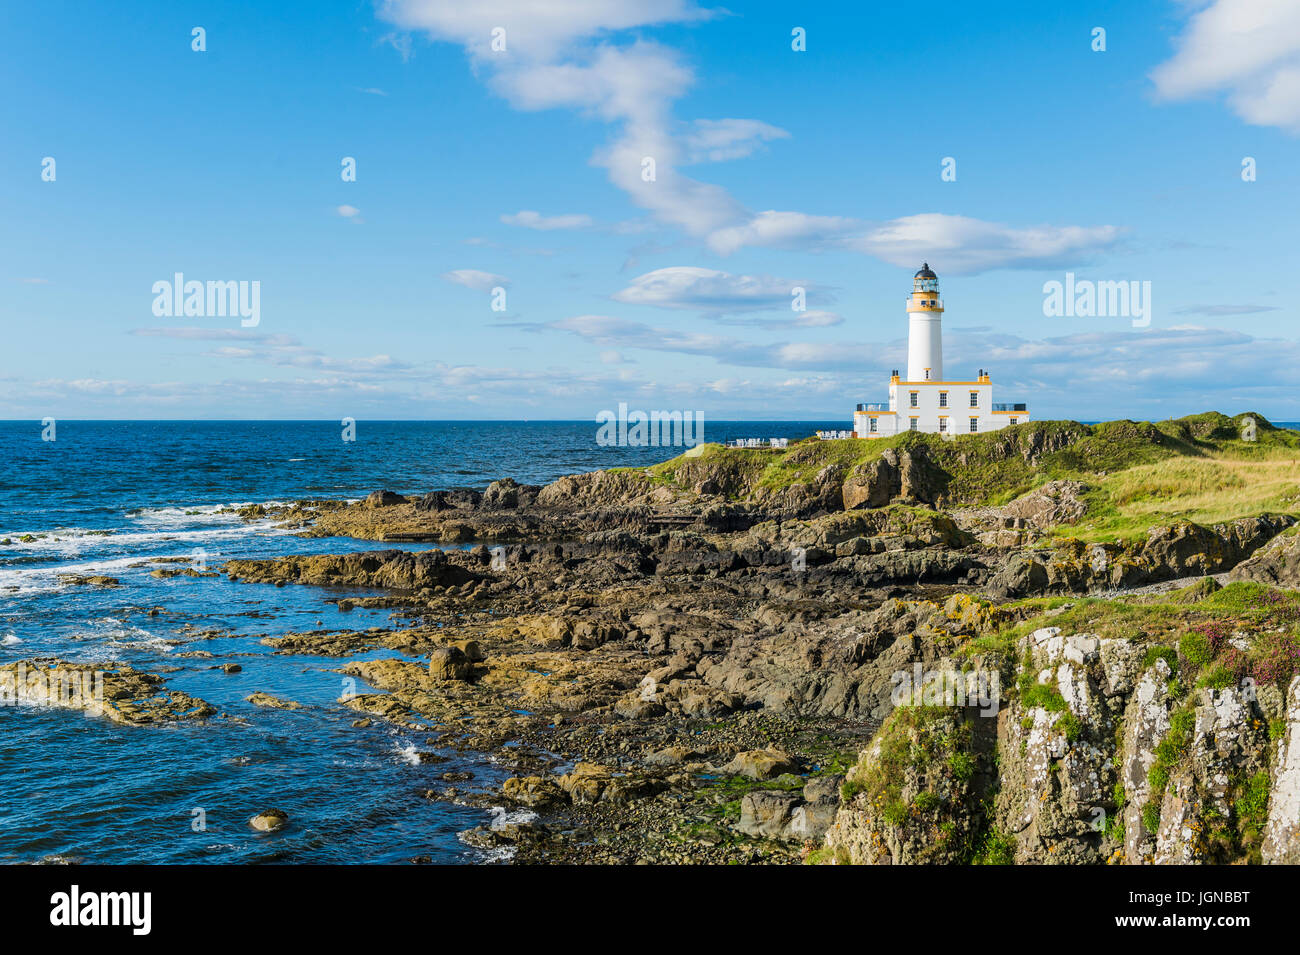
(925, 328)
(925, 400)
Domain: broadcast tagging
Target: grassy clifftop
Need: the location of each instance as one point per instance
(1138, 472)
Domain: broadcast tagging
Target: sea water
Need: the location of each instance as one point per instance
(109, 497)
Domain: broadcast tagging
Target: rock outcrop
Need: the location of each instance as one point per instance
(1102, 757)
(114, 692)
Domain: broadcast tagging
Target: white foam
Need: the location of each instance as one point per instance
(148, 525)
(122, 634)
(502, 817)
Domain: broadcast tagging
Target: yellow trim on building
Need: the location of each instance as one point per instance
(985, 381)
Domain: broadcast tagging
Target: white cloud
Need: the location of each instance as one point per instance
(351, 213)
(473, 278)
(610, 332)
(812, 318)
(957, 244)
(783, 230)
(1220, 310)
(530, 219)
(1108, 373)
(817, 319)
(1248, 49)
(282, 350)
(534, 30)
(556, 59)
(708, 290)
(717, 140)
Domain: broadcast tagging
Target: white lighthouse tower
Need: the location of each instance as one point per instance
(925, 400)
(925, 328)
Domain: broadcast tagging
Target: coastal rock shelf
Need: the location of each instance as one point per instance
(702, 660)
(117, 693)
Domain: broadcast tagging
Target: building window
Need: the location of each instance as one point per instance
(912, 427)
(943, 399)
(943, 425)
(974, 425)
(927, 374)
(873, 425)
(974, 399)
(1013, 420)
(912, 399)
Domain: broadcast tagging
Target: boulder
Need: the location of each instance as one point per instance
(501, 495)
(471, 649)
(449, 663)
(785, 815)
(270, 820)
(532, 791)
(384, 499)
(1020, 576)
(766, 813)
(920, 479)
(1277, 564)
(874, 484)
(761, 764)
(587, 782)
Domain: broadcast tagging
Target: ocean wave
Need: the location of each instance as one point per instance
(27, 580)
(146, 523)
(182, 515)
(74, 542)
(119, 633)
(502, 817)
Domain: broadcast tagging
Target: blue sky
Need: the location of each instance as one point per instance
(522, 169)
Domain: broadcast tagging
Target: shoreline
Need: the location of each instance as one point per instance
(696, 661)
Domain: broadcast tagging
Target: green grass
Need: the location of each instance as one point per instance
(997, 848)
(1151, 817)
(1171, 750)
(1034, 694)
(1195, 648)
(1139, 473)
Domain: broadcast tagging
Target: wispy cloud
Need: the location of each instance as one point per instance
(1246, 49)
(1219, 310)
(535, 220)
(558, 56)
(281, 350)
(473, 278)
(718, 140)
(1115, 373)
(711, 291)
(812, 318)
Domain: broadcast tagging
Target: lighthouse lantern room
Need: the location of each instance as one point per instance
(924, 400)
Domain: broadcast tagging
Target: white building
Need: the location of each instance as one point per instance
(925, 400)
